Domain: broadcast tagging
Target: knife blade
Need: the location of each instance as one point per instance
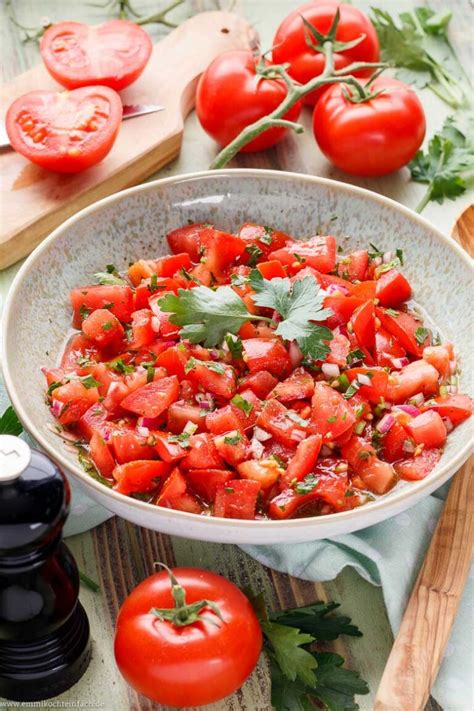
(129, 111)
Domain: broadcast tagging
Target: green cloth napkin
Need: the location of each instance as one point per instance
(390, 554)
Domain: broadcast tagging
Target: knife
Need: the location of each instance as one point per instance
(129, 111)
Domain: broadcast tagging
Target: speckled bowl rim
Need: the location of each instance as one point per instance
(415, 489)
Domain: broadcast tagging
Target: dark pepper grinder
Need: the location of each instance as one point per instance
(44, 632)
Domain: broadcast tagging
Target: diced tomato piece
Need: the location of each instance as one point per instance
(267, 354)
(142, 269)
(105, 376)
(387, 348)
(216, 378)
(365, 290)
(201, 274)
(250, 330)
(174, 487)
(275, 418)
(233, 447)
(378, 382)
(53, 375)
(455, 407)
(428, 429)
(187, 239)
(221, 249)
(173, 359)
(404, 327)
(142, 331)
(342, 308)
(414, 378)
(128, 446)
(318, 252)
(266, 238)
(378, 476)
(224, 420)
(167, 329)
(202, 453)
(261, 383)
(265, 471)
(206, 482)
(393, 443)
(180, 413)
(363, 325)
(101, 455)
(237, 499)
(167, 450)
(147, 289)
(392, 288)
(299, 386)
(359, 406)
(272, 269)
(102, 327)
(167, 266)
(140, 475)
(331, 414)
(118, 300)
(154, 398)
(439, 358)
(74, 400)
(77, 347)
(418, 467)
(303, 461)
(339, 347)
(354, 266)
(95, 419)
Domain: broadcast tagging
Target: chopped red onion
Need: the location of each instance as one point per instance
(409, 409)
(298, 435)
(155, 324)
(399, 363)
(151, 423)
(364, 379)
(205, 401)
(257, 448)
(385, 424)
(261, 435)
(417, 400)
(295, 354)
(56, 407)
(408, 446)
(448, 424)
(337, 288)
(330, 370)
(387, 257)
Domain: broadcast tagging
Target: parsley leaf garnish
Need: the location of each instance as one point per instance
(235, 346)
(300, 304)
(210, 364)
(110, 277)
(234, 438)
(89, 382)
(314, 620)
(254, 253)
(307, 485)
(266, 238)
(245, 405)
(421, 334)
(119, 366)
(448, 163)
(9, 423)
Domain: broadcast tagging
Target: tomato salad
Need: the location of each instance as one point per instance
(255, 376)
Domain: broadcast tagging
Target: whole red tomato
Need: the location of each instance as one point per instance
(190, 643)
(290, 45)
(373, 137)
(231, 96)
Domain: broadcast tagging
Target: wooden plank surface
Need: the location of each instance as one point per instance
(119, 554)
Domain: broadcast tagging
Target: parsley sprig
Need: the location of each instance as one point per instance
(301, 676)
(208, 315)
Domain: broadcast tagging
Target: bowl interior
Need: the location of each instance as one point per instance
(133, 225)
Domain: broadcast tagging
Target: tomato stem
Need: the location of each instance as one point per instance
(183, 614)
(295, 93)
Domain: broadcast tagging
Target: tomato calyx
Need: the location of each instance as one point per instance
(183, 614)
(315, 39)
(361, 93)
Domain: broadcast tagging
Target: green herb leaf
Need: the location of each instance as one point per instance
(255, 254)
(267, 237)
(206, 315)
(307, 485)
(286, 643)
(351, 390)
(238, 280)
(355, 355)
(242, 404)
(110, 277)
(233, 438)
(84, 312)
(89, 382)
(9, 423)
(317, 620)
(209, 364)
(235, 346)
(421, 334)
(336, 686)
(54, 385)
(119, 366)
(300, 304)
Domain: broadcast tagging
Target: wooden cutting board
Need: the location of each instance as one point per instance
(35, 201)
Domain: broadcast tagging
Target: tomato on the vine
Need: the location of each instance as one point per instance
(369, 137)
(231, 96)
(65, 131)
(292, 41)
(113, 54)
(188, 643)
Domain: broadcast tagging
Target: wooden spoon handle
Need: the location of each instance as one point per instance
(421, 640)
(419, 647)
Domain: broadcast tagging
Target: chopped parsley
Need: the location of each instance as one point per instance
(392, 312)
(210, 364)
(238, 280)
(421, 334)
(254, 253)
(235, 346)
(84, 312)
(110, 277)
(355, 355)
(233, 438)
(242, 404)
(267, 237)
(120, 366)
(307, 485)
(352, 389)
(55, 384)
(107, 326)
(332, 419)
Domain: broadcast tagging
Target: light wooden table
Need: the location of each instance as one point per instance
(119, 554)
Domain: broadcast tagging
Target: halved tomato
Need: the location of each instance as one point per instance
(66, 131)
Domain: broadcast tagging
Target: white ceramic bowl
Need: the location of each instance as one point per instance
(132, 225)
